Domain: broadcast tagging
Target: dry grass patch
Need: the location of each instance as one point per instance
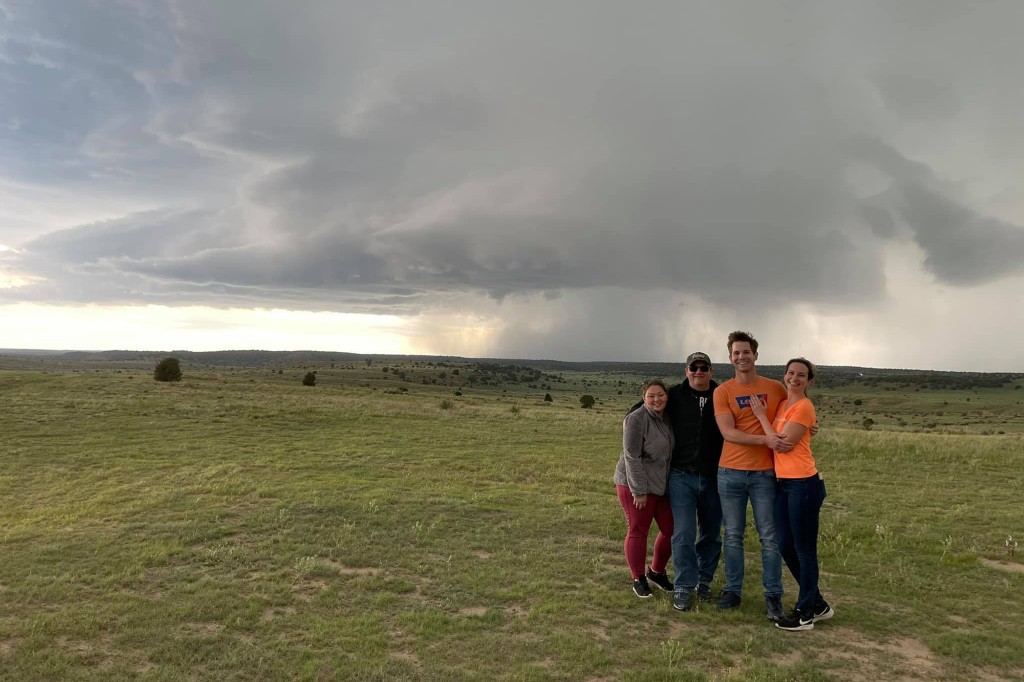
(910, 656)
(1007, 566)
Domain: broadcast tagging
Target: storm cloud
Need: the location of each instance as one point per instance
(579, 170)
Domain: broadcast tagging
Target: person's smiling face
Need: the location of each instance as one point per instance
(742, 357)
(698, 374)
(655, 398)
(797, 377)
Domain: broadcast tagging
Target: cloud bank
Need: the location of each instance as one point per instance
(585, 180)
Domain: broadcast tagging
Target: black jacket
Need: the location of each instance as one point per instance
(698, 444)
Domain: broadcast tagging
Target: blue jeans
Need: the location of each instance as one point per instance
(695, 506)
(735, 487)
(797, 509)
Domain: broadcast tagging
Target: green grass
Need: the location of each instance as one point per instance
(240, 526)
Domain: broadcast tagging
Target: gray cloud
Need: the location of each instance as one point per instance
(963, 247)
(345, 157)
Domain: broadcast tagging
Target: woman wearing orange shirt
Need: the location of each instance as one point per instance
(801, 492)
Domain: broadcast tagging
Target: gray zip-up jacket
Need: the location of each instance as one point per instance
(647, 442)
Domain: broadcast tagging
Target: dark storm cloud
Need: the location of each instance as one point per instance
(962, 246)
(352, 157)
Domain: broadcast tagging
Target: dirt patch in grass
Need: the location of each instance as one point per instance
(481, 554)
(999, 675)
(912, 658)
(677, 627)
(305, 589)
(1008, 566)
(71, 645)
(515, 611)
(346, 570)
(270, 613)
(9, 645)
(918, 655)
(407, 656)
(475, 611)
(600, 631)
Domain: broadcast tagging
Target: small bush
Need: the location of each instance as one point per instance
(309, 379)
(446, 404)
(587, 401)
(548, 398)
(168, 369)
(514, 409)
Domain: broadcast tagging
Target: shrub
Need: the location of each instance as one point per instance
(548, 398)
(168, 369)
(309, 379)
(587, 401)
(858, 401)
(868, 423)
(446, 404)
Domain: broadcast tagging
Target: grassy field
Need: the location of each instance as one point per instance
(241, 526)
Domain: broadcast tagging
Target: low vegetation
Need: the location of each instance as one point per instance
(238, 526)
(168, 369)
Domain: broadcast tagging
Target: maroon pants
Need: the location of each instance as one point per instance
(639, 526)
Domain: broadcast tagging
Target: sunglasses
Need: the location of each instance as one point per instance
(699, 368)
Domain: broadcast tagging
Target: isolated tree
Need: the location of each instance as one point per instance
(587, 401)
(168, 369)
(309, 379)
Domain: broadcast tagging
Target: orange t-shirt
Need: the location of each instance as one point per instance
(733, 398)
(798, 462)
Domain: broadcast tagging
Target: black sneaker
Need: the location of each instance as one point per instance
(727, 600)
(795, 622)
(682, 601)
(822, 611)
(660, 580)
(641, 588)
(704, 593)
(774, 604)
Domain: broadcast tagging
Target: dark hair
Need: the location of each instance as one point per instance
(653, 382)
(803, 361)
(746, 337)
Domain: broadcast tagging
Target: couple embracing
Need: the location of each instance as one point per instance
(694, 454)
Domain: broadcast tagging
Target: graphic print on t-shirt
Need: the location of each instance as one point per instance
(743, 401)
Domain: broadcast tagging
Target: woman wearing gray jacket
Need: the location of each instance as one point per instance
(641, 479)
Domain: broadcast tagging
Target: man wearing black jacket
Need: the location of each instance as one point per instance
(693, 484)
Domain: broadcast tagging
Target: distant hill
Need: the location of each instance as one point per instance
(828, 376)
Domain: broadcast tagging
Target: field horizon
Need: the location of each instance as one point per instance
(257, 357)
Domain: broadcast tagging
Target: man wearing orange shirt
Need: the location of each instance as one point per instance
(746, 471)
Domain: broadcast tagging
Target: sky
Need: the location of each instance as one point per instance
(569, 180)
